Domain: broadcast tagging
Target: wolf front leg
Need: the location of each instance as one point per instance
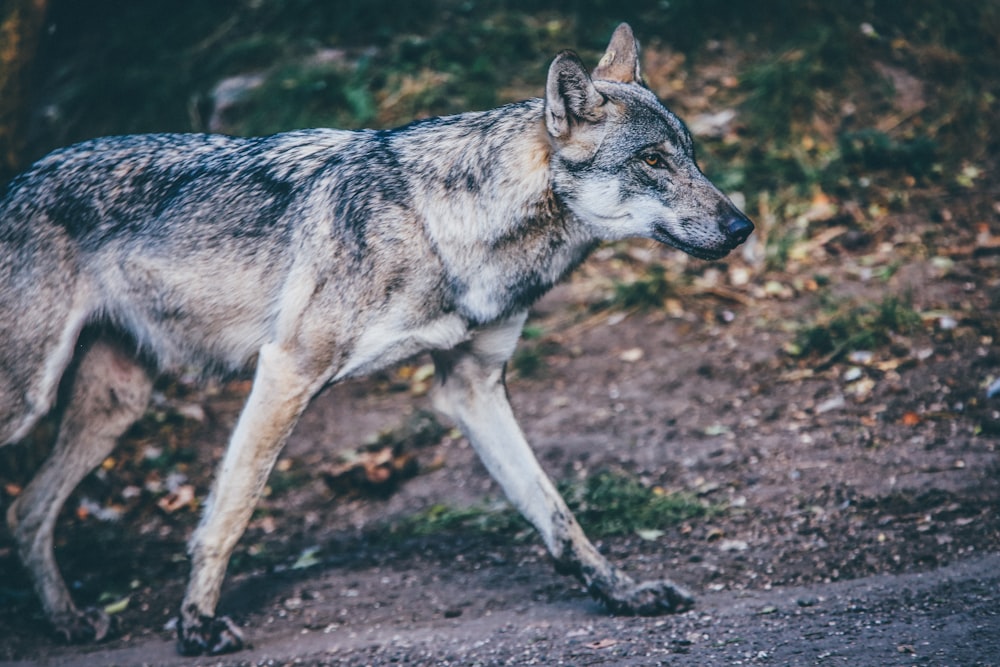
(278, 397)
(471, 390)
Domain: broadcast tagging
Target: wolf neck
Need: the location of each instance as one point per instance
(503, 236)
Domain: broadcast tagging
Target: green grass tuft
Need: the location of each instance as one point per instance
(648, 291)
(614, 503)
(854, 327)
(606, 504)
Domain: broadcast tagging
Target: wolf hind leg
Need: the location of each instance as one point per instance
(39, 335)
(472, 391)
(109, 389)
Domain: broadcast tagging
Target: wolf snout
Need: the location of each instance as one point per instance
(737, 229)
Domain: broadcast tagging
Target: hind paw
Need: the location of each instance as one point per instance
(90, 625)
(649, 598)
(209, 635)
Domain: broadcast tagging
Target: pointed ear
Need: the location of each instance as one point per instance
(570, 96)
(621, 60)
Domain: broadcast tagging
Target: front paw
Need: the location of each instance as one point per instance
(90, 625)
(209, 635)
(648, 598)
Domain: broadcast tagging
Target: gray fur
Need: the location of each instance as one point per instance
(319, 255)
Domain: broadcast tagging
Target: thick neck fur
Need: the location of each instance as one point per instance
(482, 185)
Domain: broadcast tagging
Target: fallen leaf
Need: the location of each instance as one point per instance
(734, 546)
(193, 411)
(777, 290)
(307, 558)
(267, 524)
(377, 471)
(714, 533)
(716, 430)
(181, 497)
(862, 389)
(861, 357)
(650, 534)
(836, 402)
(910, 419)
(91, 508)
(117, 607)
(631, 355)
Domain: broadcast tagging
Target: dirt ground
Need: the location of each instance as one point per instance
(857, 495)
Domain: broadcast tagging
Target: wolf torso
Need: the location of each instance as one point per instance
(204, 247)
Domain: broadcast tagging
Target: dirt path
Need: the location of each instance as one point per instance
(948, 616)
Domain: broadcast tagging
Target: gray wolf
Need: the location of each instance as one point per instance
(316, 256)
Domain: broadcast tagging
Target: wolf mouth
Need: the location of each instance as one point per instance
(665, 237)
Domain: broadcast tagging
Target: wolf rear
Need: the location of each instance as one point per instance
(315, 256)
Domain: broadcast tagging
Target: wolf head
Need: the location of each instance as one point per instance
(625, 165)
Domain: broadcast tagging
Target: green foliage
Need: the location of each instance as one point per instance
(649, 291)
(282, 481)
(442, 518)
(613, 503)
(529, 358)
(858, 327)
(779, 247)
(606, 504)
(782, 90)
(310, 95)
(870, 149)
(528, 361)
(532, 332)
(151, 66)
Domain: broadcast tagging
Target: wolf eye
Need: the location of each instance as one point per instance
(653, 160)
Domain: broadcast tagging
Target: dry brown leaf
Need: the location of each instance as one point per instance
(183, 496)
(377, 471)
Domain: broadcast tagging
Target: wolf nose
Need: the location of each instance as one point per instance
(738, 229)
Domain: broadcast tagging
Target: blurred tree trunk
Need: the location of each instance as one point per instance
(21, 23)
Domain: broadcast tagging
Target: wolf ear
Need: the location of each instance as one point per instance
(570, 96)
(621, 60)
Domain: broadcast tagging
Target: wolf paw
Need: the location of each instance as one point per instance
(649, 598)
(90, 625)
(209, 636)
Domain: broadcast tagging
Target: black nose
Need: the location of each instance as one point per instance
(738, 229)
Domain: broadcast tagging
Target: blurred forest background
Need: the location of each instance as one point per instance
(784, 94)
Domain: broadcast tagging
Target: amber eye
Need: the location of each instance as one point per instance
(652, 159)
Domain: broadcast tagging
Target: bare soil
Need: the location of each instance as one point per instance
(857, 497)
